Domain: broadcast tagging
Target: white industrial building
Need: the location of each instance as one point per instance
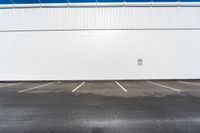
(99, 40)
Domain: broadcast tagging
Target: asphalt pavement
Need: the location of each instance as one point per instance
(100, 107)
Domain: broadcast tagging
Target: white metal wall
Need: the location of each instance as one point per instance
(99, 18)
(99, 54)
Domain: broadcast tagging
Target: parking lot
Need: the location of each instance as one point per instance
(100, 106)
(107, 88)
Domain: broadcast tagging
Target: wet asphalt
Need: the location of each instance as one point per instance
(65, 112)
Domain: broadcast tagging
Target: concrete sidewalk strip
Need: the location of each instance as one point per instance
(197, 84)
(78, 86)
(121, 86)
(11, 84)
(164, 86)
(36, 87)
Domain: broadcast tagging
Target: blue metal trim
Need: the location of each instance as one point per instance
(5, 2)
(85, 1)
(26, 1)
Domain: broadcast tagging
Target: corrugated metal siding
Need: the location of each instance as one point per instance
(99, 18)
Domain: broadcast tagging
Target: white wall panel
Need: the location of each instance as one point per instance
(99, 18)
(102, 54)
(78, 53)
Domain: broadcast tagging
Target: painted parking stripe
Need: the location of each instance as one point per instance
(164, 86)
(121, 86)
(11, 84)
(197, 84)
(78, 87)
(36, 87)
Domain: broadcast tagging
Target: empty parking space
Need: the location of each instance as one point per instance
(184, 86)
(3, 85)
(102, 88)
(190, 82)
(20, 86)
(57, 87)
(36, 87)
(143, 88)
(164, 86)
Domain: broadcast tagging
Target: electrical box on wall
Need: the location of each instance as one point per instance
(140, 62)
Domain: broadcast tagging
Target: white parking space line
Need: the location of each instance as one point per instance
(197, 84)
(120, 86)
(36, 87)
(11, 84)
(164, 86)
(78, 87)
